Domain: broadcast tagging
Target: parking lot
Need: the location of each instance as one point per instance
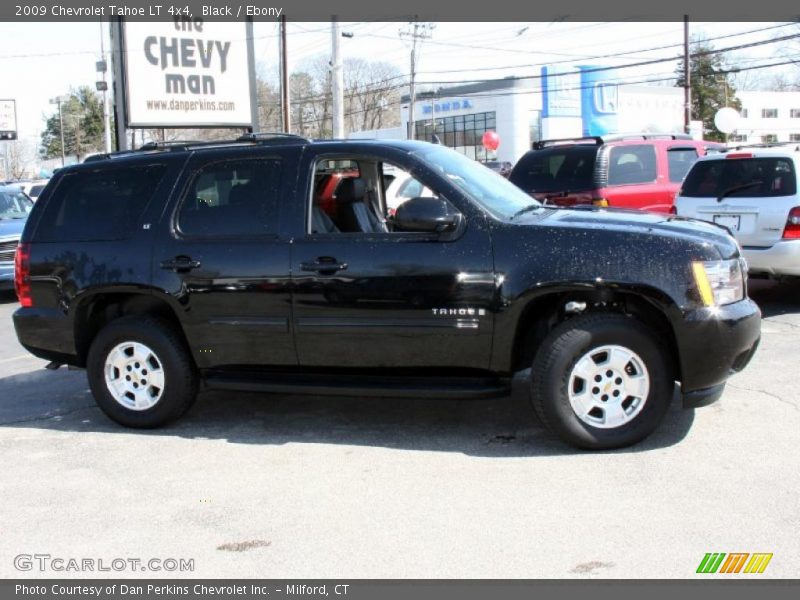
(270, 486)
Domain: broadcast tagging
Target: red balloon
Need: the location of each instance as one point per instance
(490, 140)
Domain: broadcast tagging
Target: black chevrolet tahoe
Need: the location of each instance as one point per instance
(188, 266)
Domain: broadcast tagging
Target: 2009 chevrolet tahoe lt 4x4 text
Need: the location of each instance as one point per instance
(215, 265)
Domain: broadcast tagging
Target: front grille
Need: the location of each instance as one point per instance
(7, 250)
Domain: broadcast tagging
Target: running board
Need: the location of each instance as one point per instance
(362, 385)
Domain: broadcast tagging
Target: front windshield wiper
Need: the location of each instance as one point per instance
(736, 188)
(526, 209)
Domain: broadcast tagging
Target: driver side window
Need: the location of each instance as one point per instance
(361, 195)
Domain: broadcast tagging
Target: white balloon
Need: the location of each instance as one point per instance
(726, 119)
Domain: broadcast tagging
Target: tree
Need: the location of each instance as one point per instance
(372, 91)
(712, 87)
(20, 159)
(82, 115)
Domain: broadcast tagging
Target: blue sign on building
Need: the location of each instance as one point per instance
(599, 100)
(447, 106)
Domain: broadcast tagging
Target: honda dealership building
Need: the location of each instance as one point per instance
(581, 101)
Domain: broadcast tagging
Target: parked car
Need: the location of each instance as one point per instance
(501, 167)
(33, 188)
(403, 187)
(642, 171)
(752, 192)
(15, 207)
(158, 270)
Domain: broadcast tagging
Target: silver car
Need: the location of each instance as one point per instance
(753, 192)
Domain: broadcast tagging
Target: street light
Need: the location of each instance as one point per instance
(60, 100)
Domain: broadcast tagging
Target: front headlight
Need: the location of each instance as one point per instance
(719, 281)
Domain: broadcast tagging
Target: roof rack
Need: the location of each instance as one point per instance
(261, 136)
(763, 145)
(184, 145)
(613, 137)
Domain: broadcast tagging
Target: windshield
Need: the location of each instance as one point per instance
(492, 191)
(14, 205)
(558, 169)
(741, 177)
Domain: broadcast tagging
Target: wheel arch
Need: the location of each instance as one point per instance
(94, 311)
(540, 312)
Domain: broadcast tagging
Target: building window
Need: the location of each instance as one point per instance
(794, 137)
(463, 133)
(769, 138)
(744, 113)
(737, 137)
(769, 113)
(794, 113)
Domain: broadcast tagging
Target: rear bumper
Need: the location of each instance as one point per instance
(716, 342)
(781, 259)
(46, 333)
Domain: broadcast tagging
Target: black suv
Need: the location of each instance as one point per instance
(218, 265)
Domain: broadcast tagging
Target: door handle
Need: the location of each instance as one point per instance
(324, 265)
(180, 264)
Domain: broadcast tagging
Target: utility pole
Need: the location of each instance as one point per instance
(687, 83)
(337, 81)
(59, 100)
(287, 120)
(416, 31)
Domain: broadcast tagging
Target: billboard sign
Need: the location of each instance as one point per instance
(188, 73)
(599, 100)
(561, 92)
(8, 119)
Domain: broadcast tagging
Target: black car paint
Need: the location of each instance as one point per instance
(404, 300)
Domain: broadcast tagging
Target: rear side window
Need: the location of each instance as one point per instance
(36, 191)
(556, 169)
(631, 164)
(741, 177)
(104, 204)
(229, 198)
(678, 162)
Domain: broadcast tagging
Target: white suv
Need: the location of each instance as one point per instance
(753, 192)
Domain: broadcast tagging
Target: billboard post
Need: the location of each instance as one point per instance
(118, 73)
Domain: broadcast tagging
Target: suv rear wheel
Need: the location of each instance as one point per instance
(140, 372)
(601, 381)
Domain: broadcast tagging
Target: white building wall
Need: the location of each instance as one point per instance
(754, 125)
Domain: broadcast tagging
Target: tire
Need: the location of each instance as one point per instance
(569, 376)
(150, 354)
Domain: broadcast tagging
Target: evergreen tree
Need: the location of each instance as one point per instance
(712, 88)
(82, 115)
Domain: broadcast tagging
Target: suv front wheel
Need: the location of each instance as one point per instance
(601, 381)
(140, 372)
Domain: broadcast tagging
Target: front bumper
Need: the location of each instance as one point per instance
(715, 342)
(6, 275)
(783, 258)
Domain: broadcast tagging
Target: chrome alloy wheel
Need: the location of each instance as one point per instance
(134, 376)
(608, 386)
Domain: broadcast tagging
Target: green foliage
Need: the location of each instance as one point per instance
(82, 115)
(710, 88)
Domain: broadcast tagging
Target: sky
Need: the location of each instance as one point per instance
(39, 61)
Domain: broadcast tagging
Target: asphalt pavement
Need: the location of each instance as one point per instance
(250, 485)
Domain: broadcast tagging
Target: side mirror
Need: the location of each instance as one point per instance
(429, 215)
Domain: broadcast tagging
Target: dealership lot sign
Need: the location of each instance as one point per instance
(8, 120)
(188, 73)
